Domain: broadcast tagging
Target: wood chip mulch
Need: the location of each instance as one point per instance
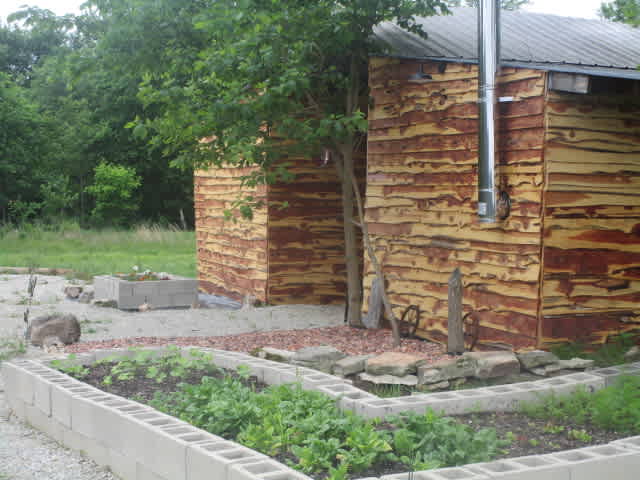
(352, 341)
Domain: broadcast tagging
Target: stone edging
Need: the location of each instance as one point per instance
(39, 271)
(137, 442)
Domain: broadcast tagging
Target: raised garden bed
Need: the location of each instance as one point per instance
(67, 408)
(174, 292)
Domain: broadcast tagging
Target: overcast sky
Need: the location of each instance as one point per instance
(569, 8)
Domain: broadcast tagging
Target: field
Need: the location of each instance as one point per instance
(93, 252)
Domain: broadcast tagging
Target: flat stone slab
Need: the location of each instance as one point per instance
(576, 364)
(446, 370)
(351, 365)
(536, 358)
(320, 358)
(494, 364)
(393, 363)
(276, 354)
(409, 380)
(633, 355)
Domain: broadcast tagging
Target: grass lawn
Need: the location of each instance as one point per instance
(93, 252)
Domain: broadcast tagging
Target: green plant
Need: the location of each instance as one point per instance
(606, 355)
(553, 429)
(70, 366)
(580, 435)
(11, 347)
(113, 190)
(615, 408)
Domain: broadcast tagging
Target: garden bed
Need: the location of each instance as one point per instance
(175, 385)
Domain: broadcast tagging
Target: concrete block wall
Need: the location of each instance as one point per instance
(175, 292)
(137, 442)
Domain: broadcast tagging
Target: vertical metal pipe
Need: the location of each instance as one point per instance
(489, 61)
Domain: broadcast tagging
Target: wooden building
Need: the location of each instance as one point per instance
(564, 264)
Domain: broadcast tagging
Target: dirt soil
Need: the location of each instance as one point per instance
(530, 436)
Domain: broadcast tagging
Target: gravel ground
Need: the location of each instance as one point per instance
(27, 454)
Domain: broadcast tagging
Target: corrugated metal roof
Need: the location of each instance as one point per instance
(535, 40)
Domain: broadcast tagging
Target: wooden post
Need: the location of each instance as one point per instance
(373, 318)
(455, 339)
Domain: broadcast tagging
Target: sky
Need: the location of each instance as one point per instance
(569, 8)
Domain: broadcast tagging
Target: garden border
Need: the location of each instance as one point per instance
(140, 443)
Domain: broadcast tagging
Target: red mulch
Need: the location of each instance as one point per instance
(352, 341)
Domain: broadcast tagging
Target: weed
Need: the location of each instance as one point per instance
(611, 353)
(11, 347)
(615, 408)
(580, 435)
(553, 429)
(70, 367)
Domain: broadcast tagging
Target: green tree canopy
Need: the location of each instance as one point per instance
(626, 11)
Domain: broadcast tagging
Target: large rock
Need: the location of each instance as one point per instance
(54, 328)
(409, 380)
(576, 364)
(633, 355)
(73, 291)
(536, 358)
(350, 365)
(276, 354)
(494, 364)
(320, 358)
(392, 363)
(446, 370)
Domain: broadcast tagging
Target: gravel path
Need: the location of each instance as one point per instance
(27, 454)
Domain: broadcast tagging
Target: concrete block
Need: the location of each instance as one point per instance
(603, 462)
(316, 379)
(124, 466)
(454, 473)
(379, 408)
(264, 470)
(91, 447)
(42, 391)
(44, 423)
(61, 394)
(145, 473)
(523, 468)
(611, 374)
(175, 292)
(212, 460)
(255, 470)
(629, 442)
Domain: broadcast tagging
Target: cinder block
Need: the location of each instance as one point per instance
(256, 470)
(124, 466)
(603, 462)
(380, 408)
(44, 423)
(629, 442)
(316, 379)
(42, 391)
(93, 448)
(207, 461)
(453, 473)
(145, 473)
(523, 468)
(61, 394)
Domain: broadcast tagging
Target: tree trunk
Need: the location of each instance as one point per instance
(351, 250)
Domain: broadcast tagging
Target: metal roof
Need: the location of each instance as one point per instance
(531, 40)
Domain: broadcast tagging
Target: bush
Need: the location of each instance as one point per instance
(113, 190)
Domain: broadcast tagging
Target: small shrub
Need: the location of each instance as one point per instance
(113, 190)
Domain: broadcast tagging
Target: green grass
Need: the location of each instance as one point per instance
(611, 353)
(11, 347)
(94, 252)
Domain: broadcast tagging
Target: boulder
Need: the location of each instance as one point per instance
(54, 328)
(576, 364)
(319, 358)
(494, 364)
(276, 354)
(86, 296)
(350, 365)
(409, 380)
(72, 291)
(392, 363)
(536, 358)
(446, 370)
(633, 355)
(435, 386)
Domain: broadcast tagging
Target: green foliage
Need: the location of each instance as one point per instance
(431, 441)
(626, 11)
(155, 366)
(615, 408)
(606, 355)
(113, 189)
(70, 366)
(11, 347)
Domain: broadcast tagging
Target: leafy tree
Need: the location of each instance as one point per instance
(505, 4)
(626, 11)
(114, 188)
(278, 69)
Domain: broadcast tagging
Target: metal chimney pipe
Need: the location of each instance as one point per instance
(489, 61)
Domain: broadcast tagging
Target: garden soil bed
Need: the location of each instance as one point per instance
(529, 436)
